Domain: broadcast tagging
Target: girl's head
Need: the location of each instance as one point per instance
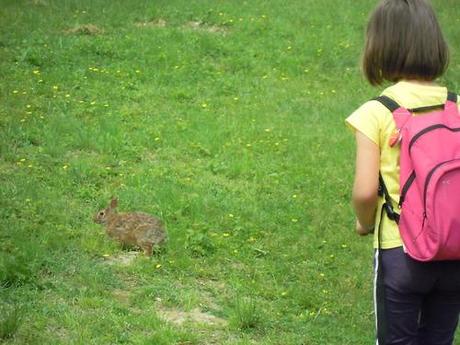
(404, 42)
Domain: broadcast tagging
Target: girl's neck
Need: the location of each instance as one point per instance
(420, 82)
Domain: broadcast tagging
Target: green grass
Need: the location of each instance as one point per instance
(223, 118)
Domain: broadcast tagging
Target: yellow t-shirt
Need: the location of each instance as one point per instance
(376, 122)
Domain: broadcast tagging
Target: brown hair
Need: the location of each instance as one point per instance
(404, 41)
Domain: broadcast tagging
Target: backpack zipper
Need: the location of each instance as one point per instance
(406, 187)
(429, 129)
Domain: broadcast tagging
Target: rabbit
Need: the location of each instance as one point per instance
(133, 228)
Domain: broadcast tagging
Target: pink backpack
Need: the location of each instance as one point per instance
(429, 221)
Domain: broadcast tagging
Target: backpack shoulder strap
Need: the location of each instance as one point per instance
(452, 96)
(400, 114)
(388, 204)
(393, 105)
(400, 119)
(451, 103)
(388, 102)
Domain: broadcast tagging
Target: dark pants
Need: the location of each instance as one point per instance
(417, 303)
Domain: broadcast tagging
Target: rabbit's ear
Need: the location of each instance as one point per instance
(114, 202)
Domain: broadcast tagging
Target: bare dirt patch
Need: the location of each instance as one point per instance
(194, 25)
(39, 3)
(195, 315)
(122, 296)
(158, 23)
(124, 259)
(85, 29)
(203, 27)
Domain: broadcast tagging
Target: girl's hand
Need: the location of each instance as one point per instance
(363, 231)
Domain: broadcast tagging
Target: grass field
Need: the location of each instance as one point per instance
(224, 119)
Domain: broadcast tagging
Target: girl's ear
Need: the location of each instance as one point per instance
(114, 202)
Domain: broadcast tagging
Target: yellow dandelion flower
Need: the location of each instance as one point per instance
(158, 266)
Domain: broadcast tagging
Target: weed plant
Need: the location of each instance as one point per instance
(224, 119)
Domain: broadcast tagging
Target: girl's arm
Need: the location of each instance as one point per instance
(366, 183)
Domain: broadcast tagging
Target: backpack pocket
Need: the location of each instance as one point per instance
(441, 199)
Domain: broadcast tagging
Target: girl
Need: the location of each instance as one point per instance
(416, 303)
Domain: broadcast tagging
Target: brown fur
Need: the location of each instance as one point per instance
(134, 228)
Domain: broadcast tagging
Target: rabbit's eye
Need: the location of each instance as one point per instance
(101, 213)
